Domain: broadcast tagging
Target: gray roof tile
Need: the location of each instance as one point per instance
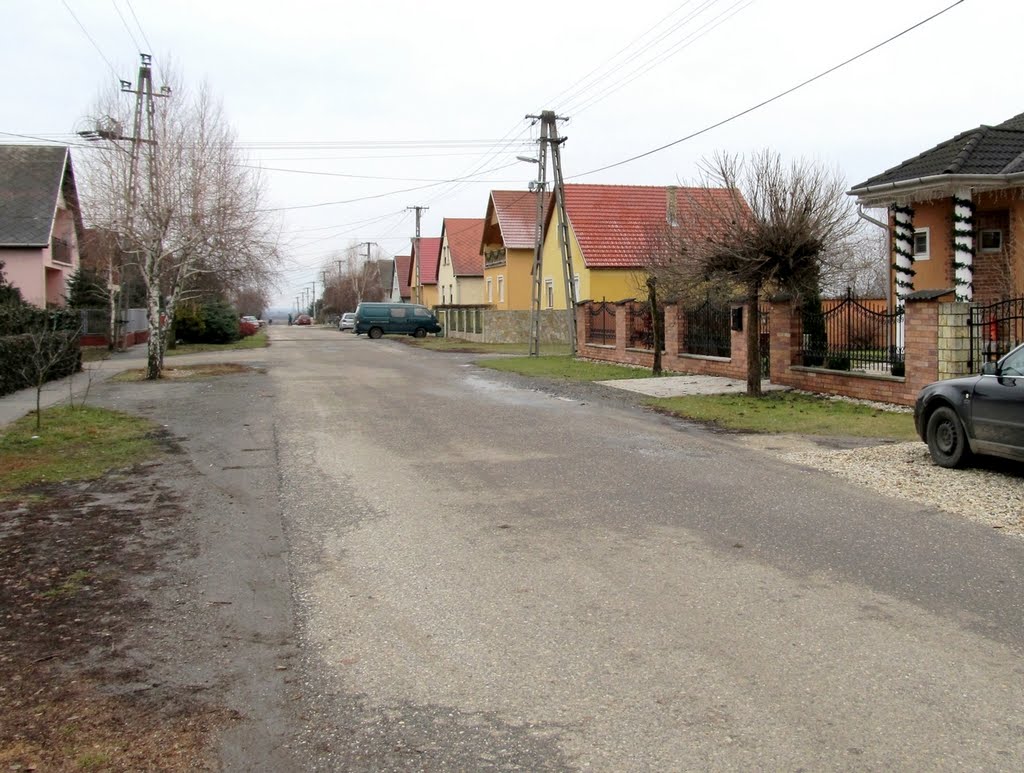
(985, 150)
(30, 180)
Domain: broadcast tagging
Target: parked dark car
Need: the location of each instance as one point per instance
(981, 414)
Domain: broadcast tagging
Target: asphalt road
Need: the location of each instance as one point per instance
(488, 576)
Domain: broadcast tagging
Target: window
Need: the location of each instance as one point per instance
(549, 292)
(490, 294)
(576, 286)
(991, 240)
(397, 312)
(501, 289)
(921, 244)
(420, 312)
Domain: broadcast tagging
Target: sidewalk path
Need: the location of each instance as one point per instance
(680, 386)
(17, 404)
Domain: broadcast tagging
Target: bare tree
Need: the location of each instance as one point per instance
(51, 351)
(352, 279)
(771, 234)
(196, 214)
(859, 262)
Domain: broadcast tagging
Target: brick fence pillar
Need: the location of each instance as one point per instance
(921, 343)
(582, 317)
(672, 322)
(784, 338)
(954, 339)
(621, 337)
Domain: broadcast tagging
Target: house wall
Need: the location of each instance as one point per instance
(429, 296)
(595, 284)
(997, 275)
(26, 270)
(517, 273)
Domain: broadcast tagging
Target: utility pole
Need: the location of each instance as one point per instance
(313, 303)
(361, 284)
(549, 138)
(419, 284)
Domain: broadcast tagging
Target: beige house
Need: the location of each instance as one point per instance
(460, 270)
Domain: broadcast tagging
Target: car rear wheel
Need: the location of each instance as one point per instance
(375, 332)
(420, 333)
(947, 439)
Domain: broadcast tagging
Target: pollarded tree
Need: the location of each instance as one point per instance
(774, 232)
(196, 219)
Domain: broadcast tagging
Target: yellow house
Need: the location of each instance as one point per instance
(460, 270)
(612, 231)
(507, 246)
(423, 271)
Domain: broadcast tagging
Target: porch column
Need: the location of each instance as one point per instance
(903, 246)
(963, 244)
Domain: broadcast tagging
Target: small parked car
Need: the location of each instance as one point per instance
(981, 414)
(347, 321)
(303, 319)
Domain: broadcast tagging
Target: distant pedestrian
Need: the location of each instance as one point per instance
(289, 319)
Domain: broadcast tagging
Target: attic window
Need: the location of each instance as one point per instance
(991, 239)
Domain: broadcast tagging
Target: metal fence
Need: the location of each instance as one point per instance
(764, 322)
(707, 330)
(994, 330)
(852, 336)
(640, 325)
(601, 323)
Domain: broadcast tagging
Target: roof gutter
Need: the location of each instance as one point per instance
(877, 193)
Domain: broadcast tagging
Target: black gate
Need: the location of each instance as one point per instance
(764, 322)
(994, 330)
(601, 327)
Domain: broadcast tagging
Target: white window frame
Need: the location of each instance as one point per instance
(549, 291)
(981, 240)
(927, 254)
(490, 291)
(576, 285)
(501, 288)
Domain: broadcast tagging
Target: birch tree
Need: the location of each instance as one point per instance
(195, 219)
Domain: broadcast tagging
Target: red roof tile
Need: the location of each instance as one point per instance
(429, 252)
(403, 263)
(615, 224)
(464, 235)
(517, 216)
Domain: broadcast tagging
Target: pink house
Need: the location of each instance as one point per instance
(40, 221)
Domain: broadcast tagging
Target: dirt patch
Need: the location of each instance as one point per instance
(191, 372)
(79, 564)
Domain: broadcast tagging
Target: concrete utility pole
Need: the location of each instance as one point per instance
(360, 284)
(549, 138)
(419, 284)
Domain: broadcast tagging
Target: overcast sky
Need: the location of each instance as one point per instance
(419, 92)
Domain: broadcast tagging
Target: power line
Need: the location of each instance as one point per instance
(128, 29)
(768, 101)
(94, 44)
(137, 24)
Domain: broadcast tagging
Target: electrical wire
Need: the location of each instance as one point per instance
(137, 24)
(768, 101)
(128, 29)
(94, 44)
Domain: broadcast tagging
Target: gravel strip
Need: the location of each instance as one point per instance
(991, 493)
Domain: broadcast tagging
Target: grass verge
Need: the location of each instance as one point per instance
(257, 341)
(565, 367)
(95, 353)
(778, 412)
(74, 444)
(445, 344)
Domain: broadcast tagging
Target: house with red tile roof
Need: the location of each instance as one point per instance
(423, 270)
(613, 230)
(507, 245)
(400, 287)
(460, 271)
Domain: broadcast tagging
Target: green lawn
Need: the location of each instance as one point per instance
(565, 367)
(788, 412)
(445, 344)
(257, 341)
(74, 444)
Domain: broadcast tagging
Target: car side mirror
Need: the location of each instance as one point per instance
(990, 369)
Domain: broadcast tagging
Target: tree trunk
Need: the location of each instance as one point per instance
(656, 332)
(154, 353)
(753, 341)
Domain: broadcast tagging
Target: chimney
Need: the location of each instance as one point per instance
(671, 206)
